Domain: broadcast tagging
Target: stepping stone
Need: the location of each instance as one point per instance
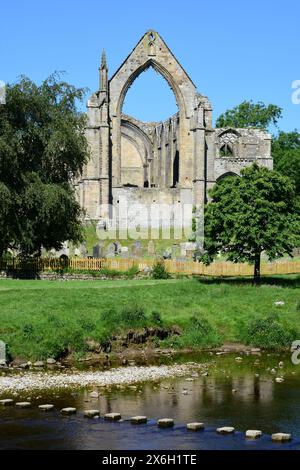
(94, 394)
(6, 402)
(253, 434)
(195, 426)
(39, 364)
(112, 416)
(23, 404)
(226, 430)
(91, 413)
(46, 407)
(281, 437)
(139, 420)
(68, 411)
(165, 423)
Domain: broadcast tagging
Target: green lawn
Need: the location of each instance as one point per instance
(42, 318)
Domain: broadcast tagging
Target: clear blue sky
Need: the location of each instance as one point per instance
(232, 50)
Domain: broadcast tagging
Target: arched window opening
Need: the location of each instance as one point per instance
(226, 150)
(150, 98)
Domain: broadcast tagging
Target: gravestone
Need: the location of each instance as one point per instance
(151, 248)
(111, 250)
(175, 251)
(137, 249)
(124, 252)
(98, 250)
(2, 353)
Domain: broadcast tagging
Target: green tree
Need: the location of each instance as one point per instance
(286, 155)
(249, 114)
(247, 215)
(42, 150)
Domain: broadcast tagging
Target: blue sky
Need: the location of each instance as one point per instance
(232, 50)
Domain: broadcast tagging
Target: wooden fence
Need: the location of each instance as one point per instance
(218, 268)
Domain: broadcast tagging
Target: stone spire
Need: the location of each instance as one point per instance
(103, 71)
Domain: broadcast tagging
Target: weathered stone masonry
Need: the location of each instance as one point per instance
(175, 161)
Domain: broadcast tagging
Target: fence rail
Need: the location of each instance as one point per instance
(218, 268)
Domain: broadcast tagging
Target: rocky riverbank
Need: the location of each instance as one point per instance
(23, 381)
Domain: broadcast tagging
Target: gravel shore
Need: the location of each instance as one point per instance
(125, 375)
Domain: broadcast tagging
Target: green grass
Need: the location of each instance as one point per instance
(39, 319)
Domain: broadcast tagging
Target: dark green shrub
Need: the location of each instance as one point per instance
(133, 316)
(269, 333)
(198, 333)
(159, 270)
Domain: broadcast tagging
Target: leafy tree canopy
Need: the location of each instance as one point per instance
(250, 114)
(42, 150)
(247, 215)
(286, 154)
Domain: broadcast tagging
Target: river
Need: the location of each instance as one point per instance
(243, 394)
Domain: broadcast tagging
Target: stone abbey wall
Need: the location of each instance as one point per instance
(173, 162)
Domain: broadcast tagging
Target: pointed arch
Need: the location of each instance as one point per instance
(163, 72)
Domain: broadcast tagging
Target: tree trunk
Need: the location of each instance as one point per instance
(257, 268)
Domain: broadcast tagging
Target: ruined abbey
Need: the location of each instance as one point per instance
(171, 162)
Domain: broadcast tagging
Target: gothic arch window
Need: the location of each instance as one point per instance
(228, 141)
(226, 150)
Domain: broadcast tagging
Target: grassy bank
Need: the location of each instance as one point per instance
(40, 319)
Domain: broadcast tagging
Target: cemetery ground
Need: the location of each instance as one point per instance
(42, 319)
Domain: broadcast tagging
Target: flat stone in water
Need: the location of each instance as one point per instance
(281, 437)
(165, 423)
(6, 402)
(112, 416)
(195, 426)
(139, 420)
(253, 434)
(68, 411)
(226, 430)
(46, 407)
(23, 404)
(91, 413)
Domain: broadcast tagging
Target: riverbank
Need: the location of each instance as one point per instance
(34, 381)
(41, 319)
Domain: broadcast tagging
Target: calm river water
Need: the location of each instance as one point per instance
(240, 394)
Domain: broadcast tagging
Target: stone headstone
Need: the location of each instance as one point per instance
(151, 248)
(137, 249)
(175, 251)
(111, 250)
(96, 251)
(2, 353)
(124, 252)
